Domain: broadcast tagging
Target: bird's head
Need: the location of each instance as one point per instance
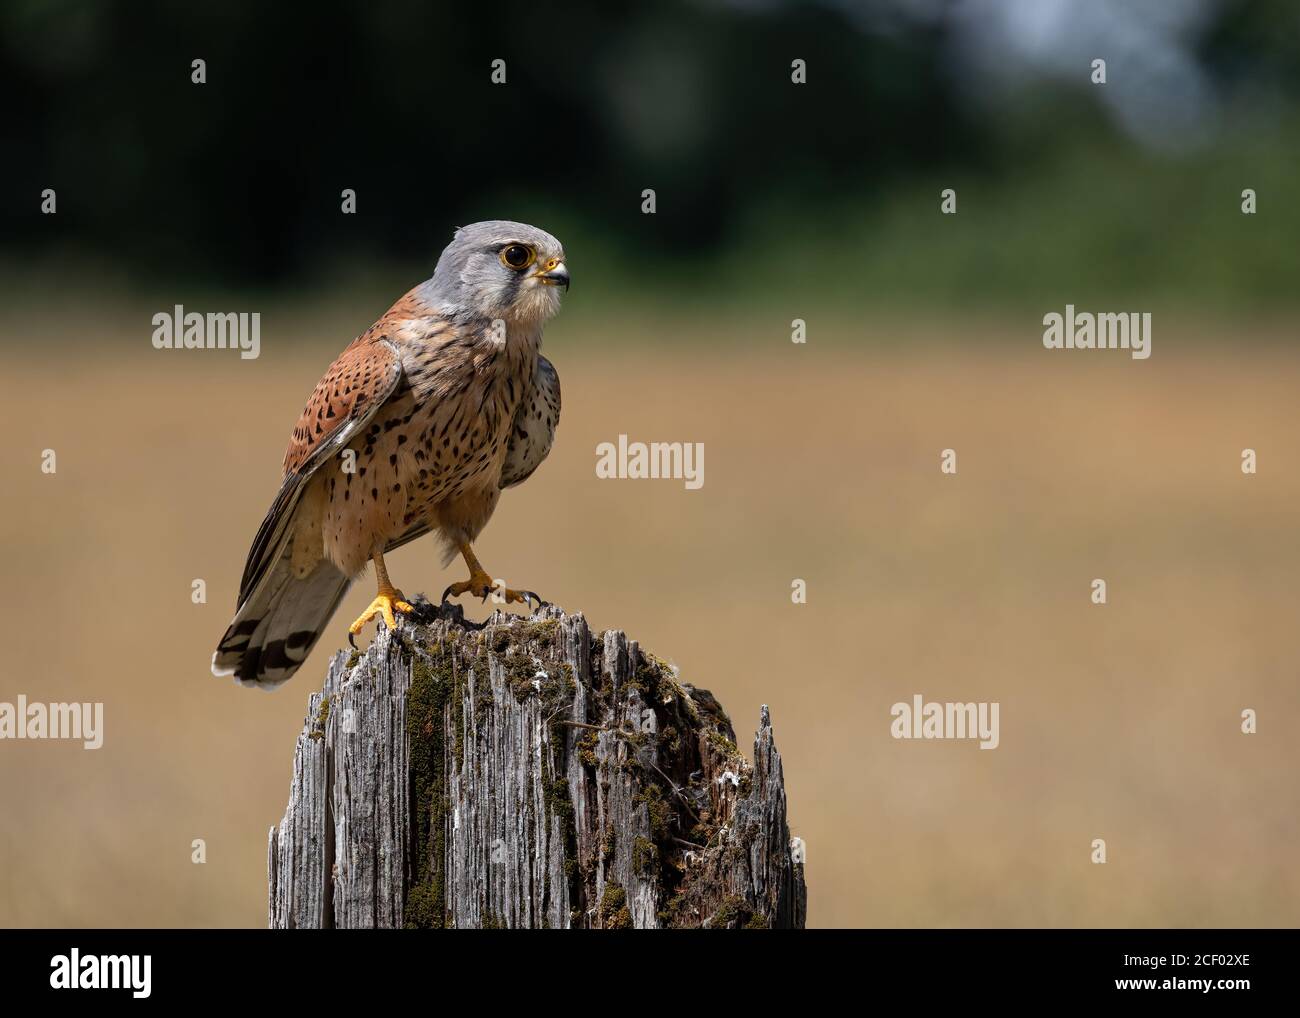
(500, 269)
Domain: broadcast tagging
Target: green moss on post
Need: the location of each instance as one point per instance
(322, 716)
(614, 913)
(732, 913)
(432, 686)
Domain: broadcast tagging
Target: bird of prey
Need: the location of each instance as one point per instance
(415, 428)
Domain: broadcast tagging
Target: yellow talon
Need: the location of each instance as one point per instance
(388, 600)
(480, 584)
(385, 603)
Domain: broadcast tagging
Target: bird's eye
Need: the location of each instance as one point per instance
(517, 256)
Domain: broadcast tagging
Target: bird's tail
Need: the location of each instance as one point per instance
(275, 629)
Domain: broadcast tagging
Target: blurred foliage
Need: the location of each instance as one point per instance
(765, 189)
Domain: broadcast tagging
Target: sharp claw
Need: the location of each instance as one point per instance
(352, 639)
(447, 592)
(530, 597)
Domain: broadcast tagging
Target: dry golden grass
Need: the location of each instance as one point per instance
(1118, 722)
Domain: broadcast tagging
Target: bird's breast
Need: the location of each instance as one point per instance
(464, 397)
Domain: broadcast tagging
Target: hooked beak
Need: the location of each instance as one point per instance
(554, 273)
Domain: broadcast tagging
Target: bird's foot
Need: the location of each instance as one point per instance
(480, 585)
(386, 602)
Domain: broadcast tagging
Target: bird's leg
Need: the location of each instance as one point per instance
(480, 583)
(388, 600)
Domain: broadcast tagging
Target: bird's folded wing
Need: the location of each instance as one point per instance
(533, 430)
(363, 378)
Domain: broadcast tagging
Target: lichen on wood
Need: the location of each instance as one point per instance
(524, 773)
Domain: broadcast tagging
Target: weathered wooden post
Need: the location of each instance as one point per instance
(522, 773)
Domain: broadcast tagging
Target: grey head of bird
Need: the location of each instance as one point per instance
(499, 269)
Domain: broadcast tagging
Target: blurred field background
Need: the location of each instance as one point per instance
(776, 202)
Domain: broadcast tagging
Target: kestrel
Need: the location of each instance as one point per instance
(416, 427)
